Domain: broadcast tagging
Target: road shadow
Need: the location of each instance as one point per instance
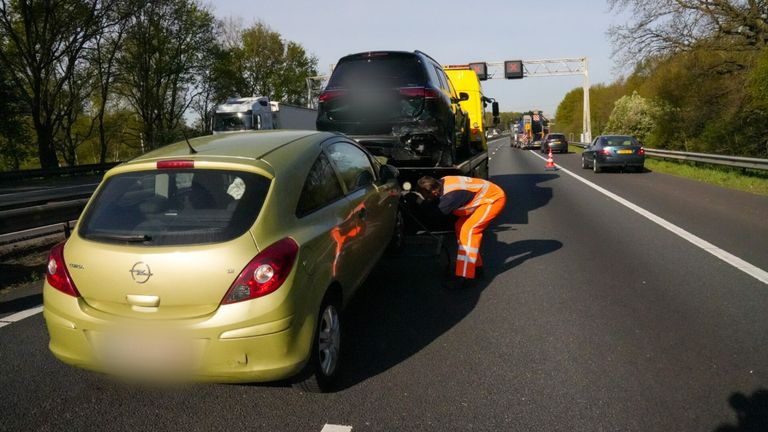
(20, 304)
(501, 256)
(524, 194)
(403, 307)
(751, 412)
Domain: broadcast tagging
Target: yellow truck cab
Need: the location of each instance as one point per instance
(465, 80)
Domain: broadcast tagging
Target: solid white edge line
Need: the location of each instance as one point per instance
(18, 316)
(729, 258)
(335, 428)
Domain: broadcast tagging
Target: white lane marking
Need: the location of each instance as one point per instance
(335, 428)
(731, 259)
(18, 316)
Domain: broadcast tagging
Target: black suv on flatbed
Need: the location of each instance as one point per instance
(400, 105)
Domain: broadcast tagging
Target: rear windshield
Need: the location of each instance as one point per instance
(618, 141)
(175, 207)
(556, 136)
(380, 70)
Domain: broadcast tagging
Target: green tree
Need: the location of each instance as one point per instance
(634, 115)
(265, 64)
(569, 113)
(44, 41)
(164, 53)
(102, 58)
(15, 145)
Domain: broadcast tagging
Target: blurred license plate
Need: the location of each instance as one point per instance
(148, 352)
(555, 142)
(624, 152)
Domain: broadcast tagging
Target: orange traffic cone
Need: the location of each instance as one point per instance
(550, 162)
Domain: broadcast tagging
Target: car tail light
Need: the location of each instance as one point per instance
(265, 273)
(606, 152)
(57, 275)
(175, 164)
(641, 151)
(330, 94)
(424, 92)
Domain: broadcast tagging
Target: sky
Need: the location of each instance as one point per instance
(452, 32)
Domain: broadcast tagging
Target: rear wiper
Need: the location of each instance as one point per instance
(128, 238)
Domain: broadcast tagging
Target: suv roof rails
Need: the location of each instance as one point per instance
(427, 56)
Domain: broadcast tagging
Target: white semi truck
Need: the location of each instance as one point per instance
(259, 113)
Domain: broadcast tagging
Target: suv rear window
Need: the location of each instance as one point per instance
(378, 70)
(175, 207)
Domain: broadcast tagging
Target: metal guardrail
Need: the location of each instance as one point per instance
(20, 219)
(713, 159)
(56, 172)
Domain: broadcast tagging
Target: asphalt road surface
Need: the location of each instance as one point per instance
(591, 317)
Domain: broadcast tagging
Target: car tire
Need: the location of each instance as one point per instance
(596, 167)
(324, 359)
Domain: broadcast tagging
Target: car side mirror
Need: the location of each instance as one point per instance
(387, 173)
(463, 96)
(495, 109)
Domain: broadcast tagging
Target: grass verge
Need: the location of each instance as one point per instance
(750, 181)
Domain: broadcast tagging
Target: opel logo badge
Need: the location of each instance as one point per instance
(140, 272)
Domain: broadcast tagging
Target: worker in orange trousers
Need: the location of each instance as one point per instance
(476, 202)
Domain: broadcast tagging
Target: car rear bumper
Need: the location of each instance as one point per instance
(622, 161)
(217, 348)
(558, 147)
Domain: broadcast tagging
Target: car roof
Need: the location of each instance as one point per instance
(249, 144)
(386, 52)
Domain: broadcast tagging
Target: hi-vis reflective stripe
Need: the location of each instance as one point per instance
(478, 198)
(466, 259)
(468, 249)
(469, 241)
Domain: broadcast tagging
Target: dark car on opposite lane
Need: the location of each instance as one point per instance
(555, 141)
(613, 151)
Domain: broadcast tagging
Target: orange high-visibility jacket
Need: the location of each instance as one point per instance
(485, 192)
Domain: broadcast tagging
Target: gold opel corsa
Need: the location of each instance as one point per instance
(226, 259)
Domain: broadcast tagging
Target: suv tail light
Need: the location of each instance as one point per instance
(641, 151)
(56, 273)
(265, 273)
(424, 92)
(330, 94)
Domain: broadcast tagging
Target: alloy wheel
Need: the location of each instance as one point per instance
(329, 340)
